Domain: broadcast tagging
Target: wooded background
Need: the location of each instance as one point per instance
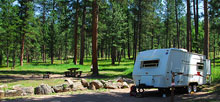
(38, 30)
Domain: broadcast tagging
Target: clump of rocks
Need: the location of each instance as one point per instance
(69, 85)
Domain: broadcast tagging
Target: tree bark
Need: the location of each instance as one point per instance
(83, 34)
(7, 53)
(135, 41)
(22, 49)
(206, 28)
(128, 43)
(152, 39)
(52, 36)
(44, 32)
(76, 35)
(1, 57)
(214, 51)
(94, 37)
(197, 26)
(177, 25)
(189, 42)
(139, 25)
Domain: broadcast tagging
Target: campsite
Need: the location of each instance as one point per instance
(109, 51)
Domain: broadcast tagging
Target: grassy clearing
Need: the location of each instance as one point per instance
(105, 68)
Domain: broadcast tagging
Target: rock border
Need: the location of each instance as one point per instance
(69, 85)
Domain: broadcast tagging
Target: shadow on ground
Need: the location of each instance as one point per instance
(150, 96)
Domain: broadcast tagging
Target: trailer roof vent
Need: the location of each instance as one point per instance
(149, 63)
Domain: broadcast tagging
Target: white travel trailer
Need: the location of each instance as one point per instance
(154, 68)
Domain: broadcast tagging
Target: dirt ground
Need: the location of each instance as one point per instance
(116, 95)
(120, 95)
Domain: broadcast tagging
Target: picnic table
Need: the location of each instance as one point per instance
(72, 72)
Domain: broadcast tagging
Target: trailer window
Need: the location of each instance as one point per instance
(149, 63)
(200, 66)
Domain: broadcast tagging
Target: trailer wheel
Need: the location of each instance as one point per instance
(194, 87)
(189, 89)
(133, 91)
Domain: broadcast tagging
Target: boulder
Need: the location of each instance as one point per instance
(2, 94)
(12, 93)
(84, 83)
(27, 91)
(97, 84)
(92, 87)
(128, 80)
(119, 79)
(124, 85)
(3, 86)
(66, 87)
(69, 81)
(58, 88)
(43, 89)
(17, 87)
(77, 86)
(110, 85)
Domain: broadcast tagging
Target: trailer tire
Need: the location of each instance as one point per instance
(133, 91)
(189, 89)
(194, 87)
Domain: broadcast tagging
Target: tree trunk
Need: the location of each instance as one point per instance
(94, 37)
(139, 25)
(44, 32)
(27, 56)
(1, 58)
(113, 55)
(177, 25)
(197, 26)
(152, 39)
(135, 41)
(22, 49)
(128, 43)
(189, 41)
(76, 35)
(214, 50)
(13, 58)
(52, 36)
(7, 53)
(206, 28)
(83, 34)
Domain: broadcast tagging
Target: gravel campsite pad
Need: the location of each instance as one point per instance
(119, 95)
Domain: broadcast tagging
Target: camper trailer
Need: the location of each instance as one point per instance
(156, 68)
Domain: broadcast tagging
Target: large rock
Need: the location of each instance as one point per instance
(3, 86)
(27, 91)
(119, 79)
(66, 87)
(2, 94)
(92, 87)
(77, 85)
(58, 88)
(124, 85)
(12, 93)
(84, 83)
(69, 81)
(17, 87)
(110, 85)
(43, 89)
(128, 80)
(97, 84)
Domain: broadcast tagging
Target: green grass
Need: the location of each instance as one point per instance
(105, 68)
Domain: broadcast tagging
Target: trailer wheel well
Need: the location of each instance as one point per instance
(193, 83)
